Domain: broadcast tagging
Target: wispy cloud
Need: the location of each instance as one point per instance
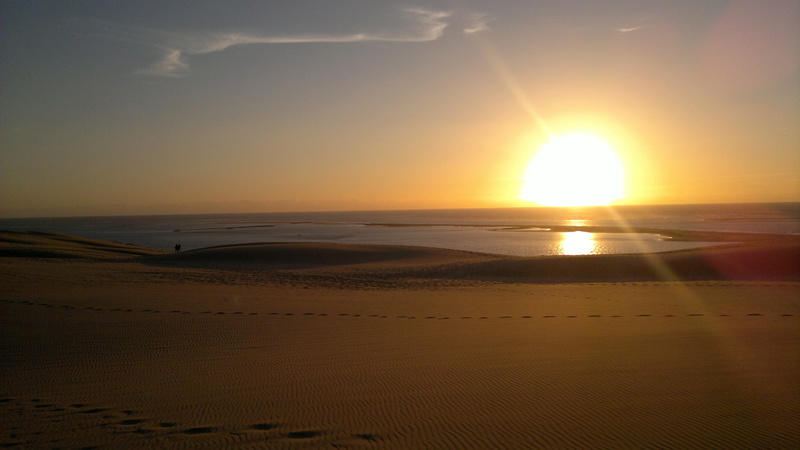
(420, 25)
(172, 64)
(638, 23)
(629, 29)
(476, 23)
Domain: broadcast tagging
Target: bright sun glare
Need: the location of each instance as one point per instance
(575, 169)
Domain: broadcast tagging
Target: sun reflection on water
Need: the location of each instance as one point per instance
(577, 243)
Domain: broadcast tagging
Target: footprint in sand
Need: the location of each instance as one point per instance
(132, 421)
(93, 411)
(303, 434)
(199, 430)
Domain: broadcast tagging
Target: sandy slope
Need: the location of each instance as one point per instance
(389, 348)
(34, 244)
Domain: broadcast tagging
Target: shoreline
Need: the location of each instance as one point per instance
(672, 234)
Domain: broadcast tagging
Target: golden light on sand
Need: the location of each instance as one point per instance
(576, 169)
(264, 350)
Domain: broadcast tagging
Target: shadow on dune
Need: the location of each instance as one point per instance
(288, 256)
(758, 261)
(746, 261)
(37, 244)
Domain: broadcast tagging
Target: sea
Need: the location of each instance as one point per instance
(506, 231)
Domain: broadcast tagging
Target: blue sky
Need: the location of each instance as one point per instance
(169, 107)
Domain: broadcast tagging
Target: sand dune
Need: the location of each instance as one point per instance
(285, 256)
(769, 260)
(375, 347)
(746, 261)
(35, 244)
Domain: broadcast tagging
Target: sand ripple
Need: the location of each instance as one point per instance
(374, 349)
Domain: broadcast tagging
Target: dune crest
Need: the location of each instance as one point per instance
(37, 244)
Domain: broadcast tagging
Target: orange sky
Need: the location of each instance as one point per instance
(117, 108)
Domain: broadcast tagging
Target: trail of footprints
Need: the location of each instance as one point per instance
(24, 433)
(379, 316)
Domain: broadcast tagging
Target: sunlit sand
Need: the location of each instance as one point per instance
(322, 345)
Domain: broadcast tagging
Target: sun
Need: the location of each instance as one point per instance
(575, 169)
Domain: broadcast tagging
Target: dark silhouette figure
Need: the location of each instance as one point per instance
(177, 248)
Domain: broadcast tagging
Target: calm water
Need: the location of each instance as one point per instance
(464, 229)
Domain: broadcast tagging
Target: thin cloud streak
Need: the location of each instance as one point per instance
(427, 25)
(629, 29)
(476, 24)
(170, 65)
